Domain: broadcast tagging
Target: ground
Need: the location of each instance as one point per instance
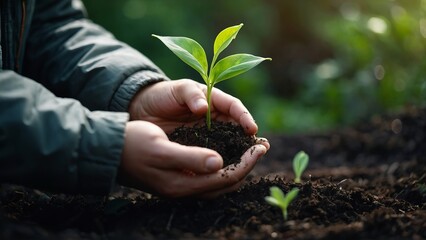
(362, 182)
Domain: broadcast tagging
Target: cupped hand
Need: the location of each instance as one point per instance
(152, 163)
(170, 104)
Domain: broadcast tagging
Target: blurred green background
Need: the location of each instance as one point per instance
(334, 62)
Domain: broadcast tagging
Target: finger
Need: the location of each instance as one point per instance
(192, 95)
(264, 142)
(231, 175)
(195, 159)
(225, 180)
(234, 108)
(181, 185)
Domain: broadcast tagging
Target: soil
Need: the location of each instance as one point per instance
(228, 139)
(362, 182)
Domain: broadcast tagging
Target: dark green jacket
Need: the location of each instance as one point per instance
(65, 85)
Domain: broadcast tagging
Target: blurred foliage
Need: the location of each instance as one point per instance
(334, 62)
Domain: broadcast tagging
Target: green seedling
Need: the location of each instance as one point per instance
(281, 200)
(300, 162)
(193, 54)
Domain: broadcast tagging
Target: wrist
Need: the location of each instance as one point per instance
(131, 86)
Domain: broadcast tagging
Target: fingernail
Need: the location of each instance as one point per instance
(264, 142)
(213, 164)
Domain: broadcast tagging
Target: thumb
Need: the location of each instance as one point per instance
(195, 159)
(192, 94)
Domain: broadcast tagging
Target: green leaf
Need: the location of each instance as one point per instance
(189, 51)
(234, 65)
(272, 201)
(223, 39)
(277, 193)
(300, 162)
(290, 196)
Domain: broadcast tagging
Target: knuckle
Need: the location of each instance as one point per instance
(185, 83)
(236, 102)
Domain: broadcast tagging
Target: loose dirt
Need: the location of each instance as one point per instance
(362, 182)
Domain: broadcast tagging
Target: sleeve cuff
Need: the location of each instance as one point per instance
(101, 145)
(124, 94)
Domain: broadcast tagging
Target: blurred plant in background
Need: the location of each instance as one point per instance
(335, 62)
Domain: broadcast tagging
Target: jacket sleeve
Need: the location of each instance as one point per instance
(76, 58)
(55, 143)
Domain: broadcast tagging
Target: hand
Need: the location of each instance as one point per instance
(152, 163)
(171, 104)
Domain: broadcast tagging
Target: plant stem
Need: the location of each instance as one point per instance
(208, 115)
(297, 179)
(210, 84)
(285, 214)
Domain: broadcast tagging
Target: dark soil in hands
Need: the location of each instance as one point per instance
(229, 140)
(363, 182)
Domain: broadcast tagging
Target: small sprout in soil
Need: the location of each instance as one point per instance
(193, 54)
(300, 162)
(281, 200)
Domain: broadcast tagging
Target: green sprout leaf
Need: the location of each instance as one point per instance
(234, 65)
(276, 193)
(300, 162)
(189, 51)
(272, 201)
(291, 196)
(279, 199)
(223, 39)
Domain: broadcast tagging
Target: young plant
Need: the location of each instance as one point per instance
(281, 200)
(300, 162)
(193, 54)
